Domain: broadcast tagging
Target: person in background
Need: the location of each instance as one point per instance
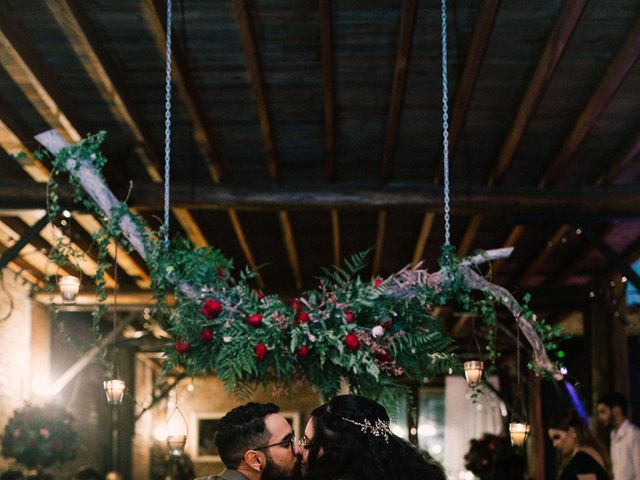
(12, 475)
(625, 436)
(348, 438)
(256, 442)
(582, 456)
(88, 473)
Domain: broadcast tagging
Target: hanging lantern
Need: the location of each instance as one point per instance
(176, 433)
(114, 389)
(518, 431)
(69, 287)
(473, 372)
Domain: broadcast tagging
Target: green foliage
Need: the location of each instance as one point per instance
(349, 330)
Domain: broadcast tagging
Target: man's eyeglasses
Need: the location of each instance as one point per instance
(291, 442)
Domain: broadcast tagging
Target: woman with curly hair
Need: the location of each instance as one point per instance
(583, 457)
(348, 438)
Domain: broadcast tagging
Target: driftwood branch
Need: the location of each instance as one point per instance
(404, 284)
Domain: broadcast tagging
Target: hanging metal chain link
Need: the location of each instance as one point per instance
(167, 127)
(445, 124)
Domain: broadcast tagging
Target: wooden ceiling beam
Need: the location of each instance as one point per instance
(396, 101)
(328, 87)
(553, 50)
(379, 246)
(258, 86)
(335, 235)
(23, 62)
(423, 236)
(542, 257)
(290, 244)
(77, 26)
(561, 205)
(244, 244)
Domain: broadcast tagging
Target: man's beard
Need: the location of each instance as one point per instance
(276, 472)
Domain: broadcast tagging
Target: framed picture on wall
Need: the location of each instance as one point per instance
(204, 427)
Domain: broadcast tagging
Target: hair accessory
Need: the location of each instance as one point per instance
(378, 429)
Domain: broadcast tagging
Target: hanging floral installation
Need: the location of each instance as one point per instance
(372, 334)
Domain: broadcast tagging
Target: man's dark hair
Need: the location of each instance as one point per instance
(12, 475)
(615, 399)
(242, 429)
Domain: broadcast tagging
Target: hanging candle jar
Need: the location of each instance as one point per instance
(518, 432)
(69, 287)
(473, 372)
(114, 389)
(176, 432)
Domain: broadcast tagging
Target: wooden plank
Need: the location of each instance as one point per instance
(380, 231)
(423, 236)
(401, 71)
(155, 15)
(543, 255)
(252, 58)
(335, 235)
(545, 69)
(22, 61)
(190, 227)
(76, 25)
(244, 245)
(469, 235)
(328, 87)
(597, 103)
(629, 153)
(511, 240)
(290, 245)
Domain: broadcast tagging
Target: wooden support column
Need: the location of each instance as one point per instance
(536, 459)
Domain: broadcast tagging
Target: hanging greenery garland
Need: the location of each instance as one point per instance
(372, 334)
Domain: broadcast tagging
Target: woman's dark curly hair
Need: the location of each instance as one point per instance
(349, 453)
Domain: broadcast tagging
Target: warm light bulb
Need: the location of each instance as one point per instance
(69, 288)
(518, 433)
(114, 389)
(473, 372)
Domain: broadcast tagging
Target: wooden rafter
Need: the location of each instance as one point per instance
(380, 231)
(423, 236)
(401, 71)
(600, 98)
(235, 222)
(258, 86)
(290, 244)
(553, 50)
(76, 25)
(328, 87)
(335, 235)
(23, 62)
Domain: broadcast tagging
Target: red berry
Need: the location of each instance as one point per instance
(206, 334)
(211, 308)
(254, 320)
(302, 317)
(387, 324)
(296, 305)
(349, 317)
(182, 347)
(377, 282)
(259, 294)
(303, 352)
(261, 351)
(384, 356)
(352, 342)
(220, 271)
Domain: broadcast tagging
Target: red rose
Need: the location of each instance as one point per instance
(377, 282)
(261, 351)
(220, 271)
(296, 305)
(206, 335)
(302, 317)
(349, 317)
(303, 352)
(211, 308)
(387, 324)
(254, 320)
(384, 356)
(352, 342)
(182, 347)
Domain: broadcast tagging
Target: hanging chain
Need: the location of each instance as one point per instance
(167, 127)
(445, 124)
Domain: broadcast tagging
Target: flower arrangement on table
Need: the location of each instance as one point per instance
(370, 334)
(39, 437)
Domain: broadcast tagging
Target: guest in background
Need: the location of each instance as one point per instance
(348, 438)
(583, 457)
(88, 473)
(625, 436)
(12, 475)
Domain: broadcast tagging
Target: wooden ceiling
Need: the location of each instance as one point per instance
(304, 132)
